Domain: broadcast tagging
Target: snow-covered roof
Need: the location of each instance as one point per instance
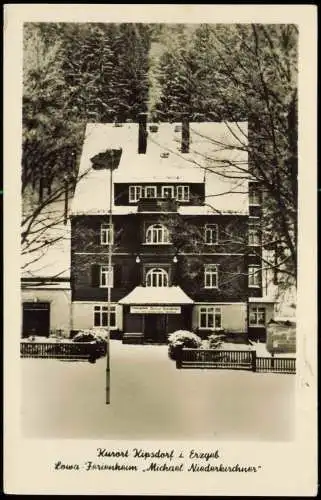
(284, 319)
(217, 155)
(156, 295)
(209, 210)
(262, 300)
(48, 283)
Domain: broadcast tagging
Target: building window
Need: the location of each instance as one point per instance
(257, 316)
(157, 277)
(167, 191)
(106, 277)
(150, 192)
(106, 234)
(101, 316)
(157, 234)
(254, 276)
(254, 195)
(211, 276)
(182, 193)
(211, 234)
(254, 235)
(210, 317)
(135, 193)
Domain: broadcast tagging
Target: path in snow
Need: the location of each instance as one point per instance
(151, 399)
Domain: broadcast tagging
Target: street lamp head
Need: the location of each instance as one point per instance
(137, 259)
(175, 259)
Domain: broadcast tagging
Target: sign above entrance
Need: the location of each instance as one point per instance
(155, 309)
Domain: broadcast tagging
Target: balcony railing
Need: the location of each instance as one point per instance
(157, 205)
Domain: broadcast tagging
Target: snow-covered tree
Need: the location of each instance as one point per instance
(246, 72)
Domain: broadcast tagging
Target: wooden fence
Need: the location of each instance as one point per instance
(210, 358)
(235, 360)
(62, 350)
(278, 365)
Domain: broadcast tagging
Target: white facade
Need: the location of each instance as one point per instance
(233, 316)
(83, 315)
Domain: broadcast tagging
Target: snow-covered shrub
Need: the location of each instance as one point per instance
(215, 340)
(182, 338)
(91, 336)
(85, 336)
(189, 339)
(100, 332)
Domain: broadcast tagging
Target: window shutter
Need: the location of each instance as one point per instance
(95, 275)
(176, 274)
(117, 275)
(135, 275)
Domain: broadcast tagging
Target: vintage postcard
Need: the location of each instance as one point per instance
(160, 250)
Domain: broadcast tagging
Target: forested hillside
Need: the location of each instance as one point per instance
(78, 73)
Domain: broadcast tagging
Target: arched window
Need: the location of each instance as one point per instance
(157, 234)
(156, 277)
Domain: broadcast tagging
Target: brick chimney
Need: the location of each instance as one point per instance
(142, 133)
(185, 133)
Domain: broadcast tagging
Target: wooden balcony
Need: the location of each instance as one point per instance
(157, 205)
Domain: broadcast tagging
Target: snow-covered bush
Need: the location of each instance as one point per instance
(85, 336)
(189, 339)
(215, 340)
(91, 336)
(182, 338)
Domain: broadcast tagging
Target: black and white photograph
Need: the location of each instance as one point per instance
(159, 235)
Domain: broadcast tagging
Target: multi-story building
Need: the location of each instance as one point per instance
(186, 249)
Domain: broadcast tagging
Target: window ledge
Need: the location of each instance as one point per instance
(216, 329)
(105, 327)
(254, 286)
(257, 326)
(156, 244)
(166, 286)
(211, 288)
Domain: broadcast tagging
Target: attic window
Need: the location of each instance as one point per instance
(118, 124)
(178, 128)
(164, 155)
(153, 128)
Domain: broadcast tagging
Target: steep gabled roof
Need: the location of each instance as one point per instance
(217, 155)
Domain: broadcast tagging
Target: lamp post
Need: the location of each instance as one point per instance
(109, 160)
(110, 252)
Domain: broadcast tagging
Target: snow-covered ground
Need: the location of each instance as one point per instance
(261, 350)
(151, 399)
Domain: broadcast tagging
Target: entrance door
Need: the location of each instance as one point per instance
(155, 328)
(36, 319)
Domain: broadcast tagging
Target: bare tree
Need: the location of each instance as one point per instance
(232, 73)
